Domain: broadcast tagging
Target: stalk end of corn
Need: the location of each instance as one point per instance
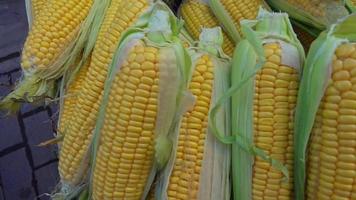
(30, 90)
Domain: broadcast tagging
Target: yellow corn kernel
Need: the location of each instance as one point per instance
(128, 168)
(184, 179)
(274, 113)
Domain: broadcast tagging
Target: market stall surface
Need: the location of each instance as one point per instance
(26, 170)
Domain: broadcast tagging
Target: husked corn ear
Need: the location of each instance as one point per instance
(276, 88)
(197, 15)
(126, 148)
(71, 97)
(332, 152)
(120, 16)
(184, 180)
(304, 37)
(53, 30)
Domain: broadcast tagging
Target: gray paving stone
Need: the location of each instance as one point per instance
(13, 26)
(2, 197)
(15, 77)
(39, 129)
(47, 178)
(10, 65)
(16, 176)
(10, 133)
(27, 108)
(1, 194)
(5, 88)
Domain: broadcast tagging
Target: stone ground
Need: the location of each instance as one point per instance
(26, 170)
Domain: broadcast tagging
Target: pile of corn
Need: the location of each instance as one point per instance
(208, 99)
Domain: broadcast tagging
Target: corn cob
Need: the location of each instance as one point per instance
(263, 119)
(126, 151)
(49, 53)
(197, 15)
(184, 180)
(200, 161)
(52, 31)
(141, 106)
(70, 98)
(119, 17)
(231, 12)
(332, 160)
(325, 119)
(276, 87)
(319, 14)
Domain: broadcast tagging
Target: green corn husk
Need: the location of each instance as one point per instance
(351, 5)
(316, 74)
(226, 20)
(159, 28)
(249, 59)
(334, 10)
(214, 180)
(38, 84)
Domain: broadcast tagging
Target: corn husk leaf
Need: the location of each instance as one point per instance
(316, 74)
(68, 189)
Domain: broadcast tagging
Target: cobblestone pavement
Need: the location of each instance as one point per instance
(26, 170)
